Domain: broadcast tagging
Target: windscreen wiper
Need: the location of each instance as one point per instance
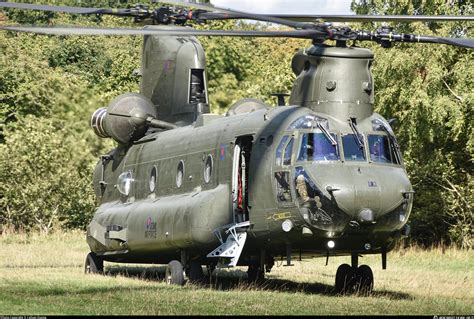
(323, 129)
(357, 135)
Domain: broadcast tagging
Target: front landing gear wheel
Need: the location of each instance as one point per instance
(350, 280)
(174, 273)
(94, 264)
(344, 279)
(365, 280)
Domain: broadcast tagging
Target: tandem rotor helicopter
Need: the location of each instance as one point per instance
(322, 176)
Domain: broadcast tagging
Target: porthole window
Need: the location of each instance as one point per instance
(180, 174)
(152, 183)
(208, 165)
(124, 183)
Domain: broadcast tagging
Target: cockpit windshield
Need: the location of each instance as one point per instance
(381, 150)
(317, 147)
(352, 149)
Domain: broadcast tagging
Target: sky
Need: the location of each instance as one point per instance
(287, 6)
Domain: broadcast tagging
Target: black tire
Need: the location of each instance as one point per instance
(174, 273)
(345, 276)
(365, 280)
(195, 273)
(255, 273)
(94, 264)
(210, 269)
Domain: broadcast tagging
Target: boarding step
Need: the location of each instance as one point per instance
(230, 250)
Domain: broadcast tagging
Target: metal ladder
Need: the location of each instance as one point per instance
(230, 250)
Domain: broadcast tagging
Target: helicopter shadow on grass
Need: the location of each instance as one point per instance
(237, 280)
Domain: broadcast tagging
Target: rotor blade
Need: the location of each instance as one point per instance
(459, 42)
(285, 18)
(227, 13)
(168, 31)
(385, 38)
(65, 9)
(373, 18)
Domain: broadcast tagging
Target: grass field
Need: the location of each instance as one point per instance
(43, 275)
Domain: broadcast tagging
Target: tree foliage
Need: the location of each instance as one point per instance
(44, 175)
(429, 90)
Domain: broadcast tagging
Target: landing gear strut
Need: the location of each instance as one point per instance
(354, 279)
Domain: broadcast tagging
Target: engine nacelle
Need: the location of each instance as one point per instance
(126, 119)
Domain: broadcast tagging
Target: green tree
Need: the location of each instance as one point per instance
(49, 87)
(42, 176)
(429, 89)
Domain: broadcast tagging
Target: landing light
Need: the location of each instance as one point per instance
(366, 215)
(367, 246)
(287, 225)
(402, 216)
(331, 244)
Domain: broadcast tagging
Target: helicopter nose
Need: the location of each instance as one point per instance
(365, 194)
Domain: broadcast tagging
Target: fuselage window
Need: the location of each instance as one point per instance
(208, 169)
(279, 151)
(153, 179)
(180, 174)
(381, 150)
(124, 183)
(283, 186)
(352, 150)
(288, 152)
(317, 147)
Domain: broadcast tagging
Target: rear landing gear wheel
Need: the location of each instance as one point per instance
(255, 273)
(174, 273)
(195, 273)
(94, 264)
(210, 269)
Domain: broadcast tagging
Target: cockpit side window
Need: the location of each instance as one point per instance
(381, 126)
(381, 149)
(352, 150)
(317, 147)
(288, 152)
(283, 186)
(279, 151)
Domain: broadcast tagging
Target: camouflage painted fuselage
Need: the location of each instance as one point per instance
(355, 197)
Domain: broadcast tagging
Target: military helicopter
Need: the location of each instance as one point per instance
(322, 176)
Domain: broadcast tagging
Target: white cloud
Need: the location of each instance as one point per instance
(287, 6)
